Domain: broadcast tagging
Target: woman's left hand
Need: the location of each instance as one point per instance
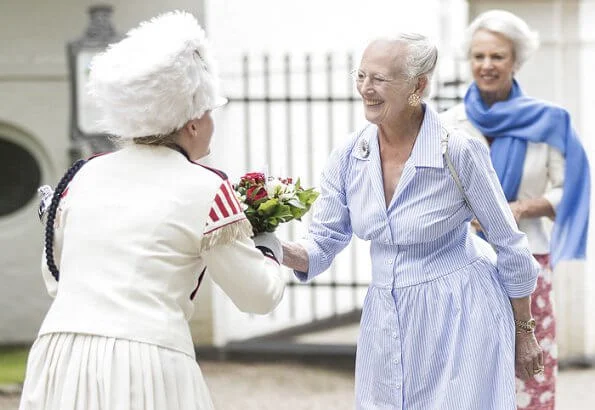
(528, 356)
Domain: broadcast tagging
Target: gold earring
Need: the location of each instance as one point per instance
(413, 100)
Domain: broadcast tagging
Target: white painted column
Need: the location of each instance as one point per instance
(585, 322)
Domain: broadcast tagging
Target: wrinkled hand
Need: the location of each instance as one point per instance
(528, 356)
(517, 209)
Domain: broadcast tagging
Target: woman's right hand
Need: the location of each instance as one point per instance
(528, 356)
(295, 256)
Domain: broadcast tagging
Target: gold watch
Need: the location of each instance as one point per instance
(525, 325)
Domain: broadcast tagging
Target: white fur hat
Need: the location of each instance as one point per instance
(156, 79)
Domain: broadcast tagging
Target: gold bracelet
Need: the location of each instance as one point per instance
(527, 326)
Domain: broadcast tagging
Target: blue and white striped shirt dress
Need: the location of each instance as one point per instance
(437, 330)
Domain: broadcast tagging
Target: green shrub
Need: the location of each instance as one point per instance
(13, 361)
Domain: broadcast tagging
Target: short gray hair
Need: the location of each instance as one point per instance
(524, 40)
(422, 56)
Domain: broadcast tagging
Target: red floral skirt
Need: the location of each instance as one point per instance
(539, 392)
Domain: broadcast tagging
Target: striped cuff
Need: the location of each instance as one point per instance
(520, 290)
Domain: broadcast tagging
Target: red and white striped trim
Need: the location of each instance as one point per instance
(226, 208)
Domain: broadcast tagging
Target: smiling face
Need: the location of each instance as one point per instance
(492, 64)
(381, 82)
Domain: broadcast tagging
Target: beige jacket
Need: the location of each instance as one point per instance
(543, 176)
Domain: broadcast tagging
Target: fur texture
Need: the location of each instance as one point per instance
(156, 79)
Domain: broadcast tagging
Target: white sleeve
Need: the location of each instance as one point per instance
(555, 170)
(253, 281)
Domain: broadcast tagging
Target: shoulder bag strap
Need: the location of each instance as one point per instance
(452, 170)
(454, 174)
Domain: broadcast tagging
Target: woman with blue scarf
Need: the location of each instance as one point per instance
(540, 163)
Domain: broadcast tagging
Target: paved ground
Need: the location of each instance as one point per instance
(293, 386)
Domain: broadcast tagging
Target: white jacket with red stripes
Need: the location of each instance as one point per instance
(133, 233)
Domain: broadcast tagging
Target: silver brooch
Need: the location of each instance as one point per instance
(364, 148)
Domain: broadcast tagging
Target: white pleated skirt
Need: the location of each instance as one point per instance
(67, 371)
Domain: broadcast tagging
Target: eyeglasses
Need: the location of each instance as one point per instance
(375, 79)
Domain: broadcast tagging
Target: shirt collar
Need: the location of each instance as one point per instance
(427, 151)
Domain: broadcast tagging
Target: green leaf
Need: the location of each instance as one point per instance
(308, 196)
(283, 212)
(296, 204)
(268, 207)
(298, 213)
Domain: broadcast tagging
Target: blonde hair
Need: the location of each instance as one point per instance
(156, 140)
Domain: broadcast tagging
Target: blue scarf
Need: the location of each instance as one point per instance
(514, 122)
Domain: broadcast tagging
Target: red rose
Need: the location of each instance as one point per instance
(254, 176)
(256, 193)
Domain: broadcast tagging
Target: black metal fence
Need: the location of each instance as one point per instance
(307, 100)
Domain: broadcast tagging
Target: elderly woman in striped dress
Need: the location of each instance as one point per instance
(444, 321)
(539, 161)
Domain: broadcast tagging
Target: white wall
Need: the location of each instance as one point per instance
(237, 26)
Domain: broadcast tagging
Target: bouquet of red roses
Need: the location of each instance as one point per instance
(270, 201)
